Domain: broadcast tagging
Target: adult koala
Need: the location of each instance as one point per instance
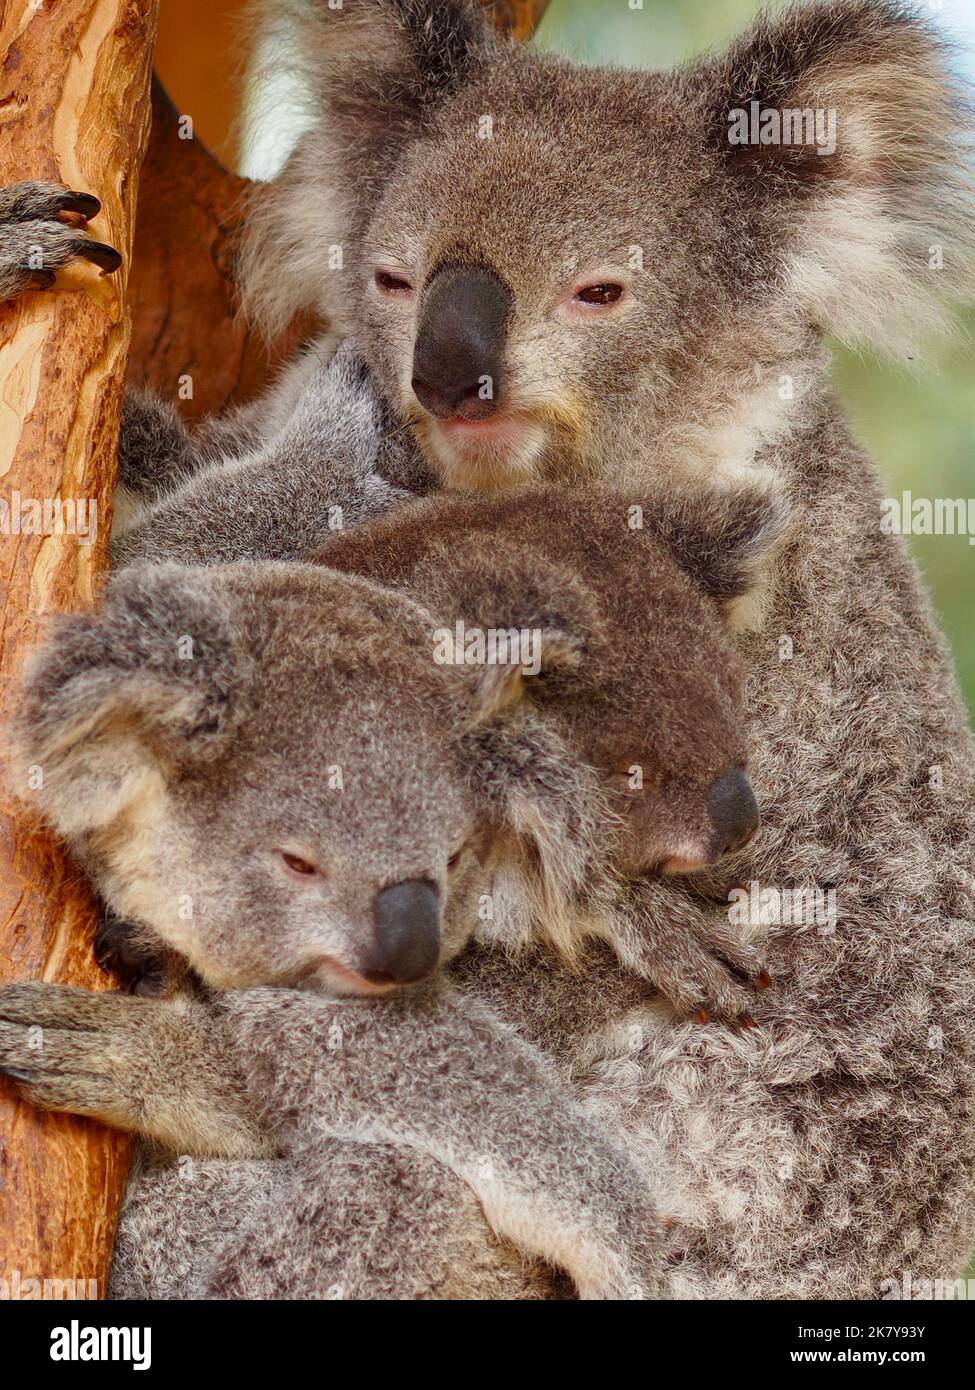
(606, 269)
(548, 265)
(609, 267)
(611, 284)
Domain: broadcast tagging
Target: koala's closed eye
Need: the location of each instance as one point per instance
(297, 867)
(393, 284)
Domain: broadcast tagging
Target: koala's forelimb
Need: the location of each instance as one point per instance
(688, 951)
(160, 1068)
(278, 499)
(262, 1072)
(159, 452)
(438, 1072)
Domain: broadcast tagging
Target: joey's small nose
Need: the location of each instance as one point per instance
(733, 810)
(460, 343)
(406, 939)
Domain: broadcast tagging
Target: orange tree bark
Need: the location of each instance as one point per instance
(518, 17)
(74, 108)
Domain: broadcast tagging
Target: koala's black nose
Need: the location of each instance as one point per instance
(734, 811)
(460, 343)
(406, 944)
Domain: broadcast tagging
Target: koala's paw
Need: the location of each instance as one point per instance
(704, 968)
(42, 228)
(121, 950)
(155, 451)
(70, 1049)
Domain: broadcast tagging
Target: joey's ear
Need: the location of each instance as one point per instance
(535, 659)
(150, 680)
(552, 804)
(841, 121)
(724, 540)
(536, 626)
(371, 72)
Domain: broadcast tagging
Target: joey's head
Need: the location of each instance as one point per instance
(648, 596)
(655, 700)
(267, 768)
(671, 724)
(547, 264)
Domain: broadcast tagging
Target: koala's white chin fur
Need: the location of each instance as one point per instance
(486, 458)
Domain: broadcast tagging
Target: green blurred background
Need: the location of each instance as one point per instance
(920, 428)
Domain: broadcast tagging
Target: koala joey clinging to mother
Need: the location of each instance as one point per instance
(268, 769)
(228, 746)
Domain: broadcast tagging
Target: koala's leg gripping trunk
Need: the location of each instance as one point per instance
(74, 88)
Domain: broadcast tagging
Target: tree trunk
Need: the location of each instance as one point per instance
(74, 108)
(189, 342)
(519, 18)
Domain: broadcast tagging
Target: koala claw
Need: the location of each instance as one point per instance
(701, 985)
(15, 1074)
(42, 228)
(86, 205)
(101, 254)
(119, 951)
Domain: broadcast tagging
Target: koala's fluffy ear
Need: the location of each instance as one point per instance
(879, 228)
(110, 697)
(372, 73)
(725, 541)
(382, 65)
(552, 804)
(543, 657)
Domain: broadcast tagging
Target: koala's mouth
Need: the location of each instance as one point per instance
(483, 455)
(326, 975)
(509, 434)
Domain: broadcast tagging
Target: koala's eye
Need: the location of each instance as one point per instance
(601, 295)
(454, 859)
(391, 284)
(296, 865)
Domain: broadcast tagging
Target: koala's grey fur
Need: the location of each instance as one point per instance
(745, 257)
(173, 773)
(202, 704)
(435, 1073)
(834, 1147)
(322, 459)
(203, 710)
